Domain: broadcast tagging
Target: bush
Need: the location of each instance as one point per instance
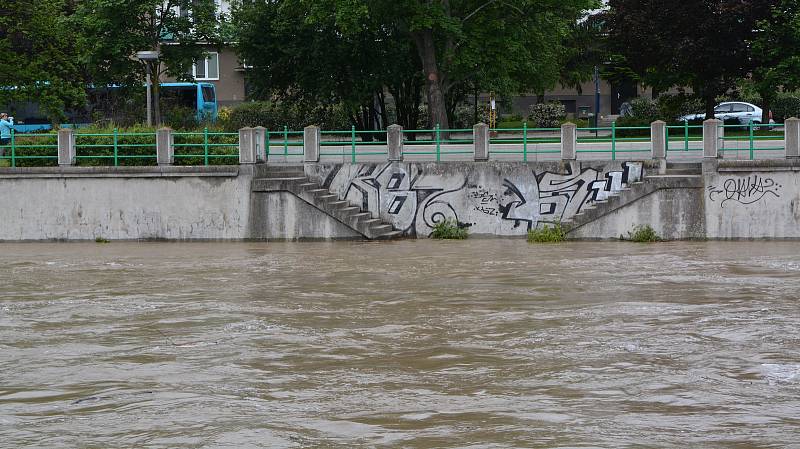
(449, 230)
(547, 115)
(464, 116)
(643, 234)
(631, 121)
(181, 118)
(644, 109)
(275, 115)
(672, 107)
(786, 106)
(547, 234)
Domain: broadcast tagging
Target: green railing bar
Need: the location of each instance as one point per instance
(205, 146)
(353, 142)
(108, 145)
(13, 150)
(525, 142)
(29, 157)
(286, 141)
(120, 156)
(116, 149)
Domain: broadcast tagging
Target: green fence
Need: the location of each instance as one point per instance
(206, 148)
(350, 146)
(115, 148)
(284, 143)
(679, 138)
(30, 150)
(503, 141)
(439, 142)
(748, 136)
(637, 139)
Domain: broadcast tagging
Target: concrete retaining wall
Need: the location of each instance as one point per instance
(752, 199)
(490, 198)
(732, 200)
(84, 203)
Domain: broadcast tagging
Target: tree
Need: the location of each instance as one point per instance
(459, 45)
(114, 30)
(776, 52)
(39, 57)
(705, 44)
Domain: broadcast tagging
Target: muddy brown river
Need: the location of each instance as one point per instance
(419, 344)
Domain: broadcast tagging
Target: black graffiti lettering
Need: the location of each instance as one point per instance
(747, 190)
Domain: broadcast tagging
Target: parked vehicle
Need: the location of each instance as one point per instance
(739, 110)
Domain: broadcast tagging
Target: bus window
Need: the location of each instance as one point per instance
(208, 94)
(179, 96)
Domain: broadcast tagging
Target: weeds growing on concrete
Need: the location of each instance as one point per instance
(449, 230)
(643, 234)
(101, 240)
(547, 234)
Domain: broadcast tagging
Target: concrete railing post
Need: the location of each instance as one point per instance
(312, 138)
(712, 133)
(394, 139)
(247, 147)
(791, 131)
(658, 139)
(66, 147)
(165, 146)
(569, 141)
(260, 141)
(480, 136)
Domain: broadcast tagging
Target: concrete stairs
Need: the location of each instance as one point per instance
(677, 175)
(292, 179)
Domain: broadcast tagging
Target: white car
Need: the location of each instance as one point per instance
(744, 112)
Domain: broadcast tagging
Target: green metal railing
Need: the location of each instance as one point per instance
(284, 143)
(30, 147)
(751, 138)
(442, 140)
(206, 146)
(115, 147)
(614, 139)
(348, 140)
(527, 136)
(684, 135)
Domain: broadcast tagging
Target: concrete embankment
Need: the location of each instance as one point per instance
(594, 199)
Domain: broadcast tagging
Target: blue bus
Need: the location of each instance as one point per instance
(199, 97)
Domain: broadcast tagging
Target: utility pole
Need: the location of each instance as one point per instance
(596, 99)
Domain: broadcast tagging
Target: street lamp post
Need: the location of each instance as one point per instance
(147, 57)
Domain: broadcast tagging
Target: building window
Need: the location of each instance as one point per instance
(207, 69)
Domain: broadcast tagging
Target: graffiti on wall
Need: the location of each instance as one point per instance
(747, 190)
(414, 201)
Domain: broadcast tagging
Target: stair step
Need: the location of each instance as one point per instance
(390, 235)
(280, 179)
(315, 191)
(381, 229)
(338, 203)
(371, 221)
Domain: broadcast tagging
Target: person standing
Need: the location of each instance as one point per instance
(6, 125)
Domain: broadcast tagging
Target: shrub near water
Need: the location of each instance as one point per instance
(547, 234)
(643, 234)
(448, 230)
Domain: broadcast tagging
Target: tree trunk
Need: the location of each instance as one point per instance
(437, 109)
(711, 102)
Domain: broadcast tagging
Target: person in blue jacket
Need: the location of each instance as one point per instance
(6, 123)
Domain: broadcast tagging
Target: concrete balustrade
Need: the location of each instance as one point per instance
(165, 146)
(569, 141)
(712, 136)
(66, 147)
(247, 146)
(260, 142)
(480, 136)
(792, 137)
(394, 140)
(658, 139)
(312, 140)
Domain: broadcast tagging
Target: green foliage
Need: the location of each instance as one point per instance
(39, 56)
(449, 230)
(180, 118)
(645, 109)
(275, 115)
(672, 107)
(101, 240)
(786, 106)
(547, 234)
(643, 234)
(698, 43)
(547, 115)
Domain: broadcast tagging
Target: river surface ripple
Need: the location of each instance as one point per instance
(482, 343)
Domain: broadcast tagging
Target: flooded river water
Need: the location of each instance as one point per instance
(482, 343)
